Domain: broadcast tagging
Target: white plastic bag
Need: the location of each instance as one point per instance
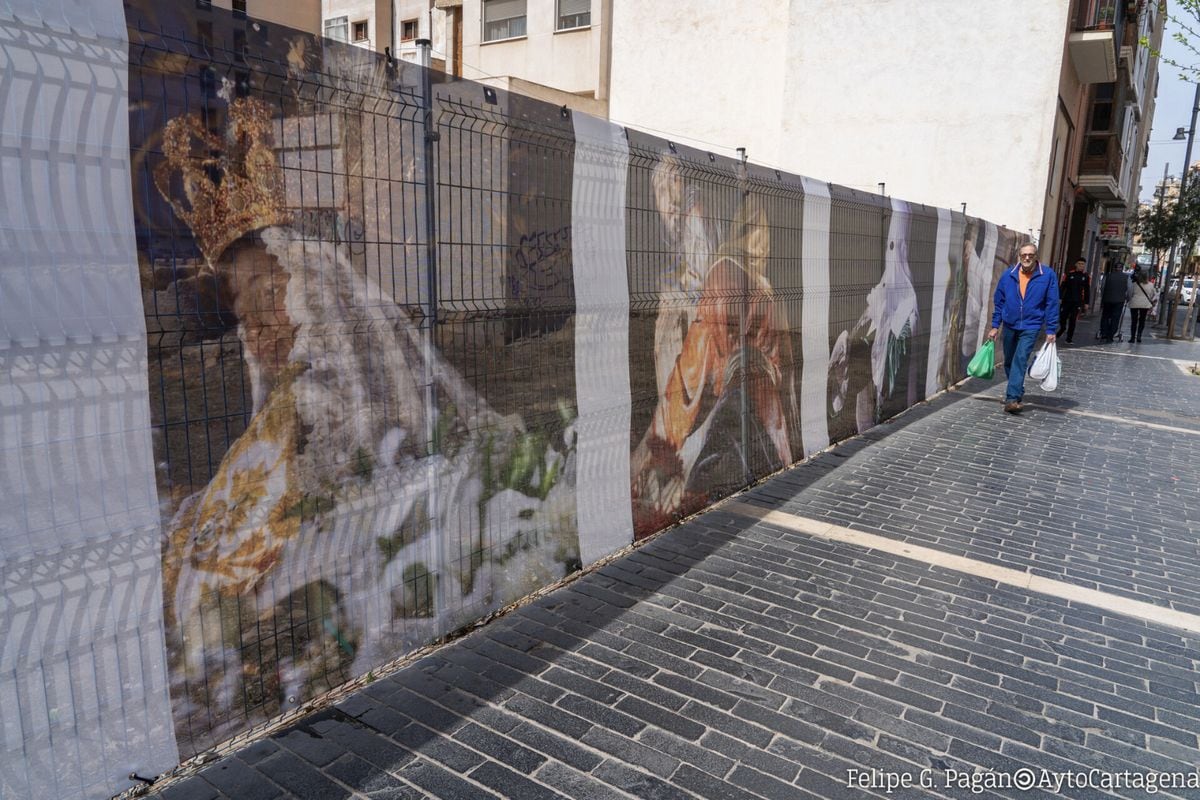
(1042, 365)
(1050, 383)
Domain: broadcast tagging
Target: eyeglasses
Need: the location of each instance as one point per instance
(1028, 255)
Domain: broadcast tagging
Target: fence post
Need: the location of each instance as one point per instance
(440, 545)
(424, 46)
(744, 355)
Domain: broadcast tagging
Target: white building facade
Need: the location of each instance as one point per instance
(942, 104)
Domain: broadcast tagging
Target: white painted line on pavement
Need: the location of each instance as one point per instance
(1090, 414)
(969, 566)
(1127, 355)
(1136, 422)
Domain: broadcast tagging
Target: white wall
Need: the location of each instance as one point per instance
(431, 24)
(712, 74)
(944, 100)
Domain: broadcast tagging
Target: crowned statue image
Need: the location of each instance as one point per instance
(371, 483)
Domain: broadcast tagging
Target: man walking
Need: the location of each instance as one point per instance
(1112, 300)
(1026, 301)
(1075, 292)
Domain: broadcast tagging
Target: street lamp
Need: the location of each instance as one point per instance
(1180, 134)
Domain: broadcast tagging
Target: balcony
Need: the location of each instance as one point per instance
(1096, 41)
(1100, 167)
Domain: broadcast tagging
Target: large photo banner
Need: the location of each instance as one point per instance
(364, 442)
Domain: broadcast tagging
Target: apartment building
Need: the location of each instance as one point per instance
(1102, 125)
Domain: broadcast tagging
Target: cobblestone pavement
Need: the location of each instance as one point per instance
(736, 658)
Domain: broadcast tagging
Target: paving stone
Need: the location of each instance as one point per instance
(507, 783)
(601, 715)
(693, 753)
(237, 780)
(555, 747)
(300, 779)
(705, 785)
(441, 783)
(636, 782)
(766, 786)
(631, 752)
(371, 781)
(190, 789)
(500, 748)
(549, 716)
(434, 746)
(256, 752)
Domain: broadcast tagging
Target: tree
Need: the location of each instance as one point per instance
(1185, 15)
(1156, 226)
(1186, 214)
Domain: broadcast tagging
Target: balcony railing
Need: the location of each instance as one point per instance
(1101, 155)
(1100, 167)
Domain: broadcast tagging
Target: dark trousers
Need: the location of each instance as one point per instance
(1066, 320)
(1137, 321)
(1110, 318)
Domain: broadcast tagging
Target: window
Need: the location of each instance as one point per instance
(239, 8)
(408, 30)
(574, 14)
(360, 31)
(503, 19)
(1102, 108)
(337, 28)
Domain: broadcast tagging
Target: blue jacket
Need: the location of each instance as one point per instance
(1039, 306)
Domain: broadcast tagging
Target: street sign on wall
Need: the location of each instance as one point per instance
(1112, 229)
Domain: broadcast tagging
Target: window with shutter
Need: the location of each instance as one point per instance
(574, 14)
(503, 19)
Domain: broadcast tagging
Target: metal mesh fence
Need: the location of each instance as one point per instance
(401, 329)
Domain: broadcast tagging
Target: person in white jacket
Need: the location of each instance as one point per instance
(1140, 297)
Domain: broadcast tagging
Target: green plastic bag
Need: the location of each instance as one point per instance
(983, 363)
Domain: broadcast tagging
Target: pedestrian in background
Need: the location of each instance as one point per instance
(1112, 300)
(1026, 300)
(1141, 300)
(1075, 294)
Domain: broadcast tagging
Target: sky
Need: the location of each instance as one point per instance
(1173, 110)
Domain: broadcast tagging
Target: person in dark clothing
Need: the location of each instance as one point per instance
(1074, 294)
(1112, 300)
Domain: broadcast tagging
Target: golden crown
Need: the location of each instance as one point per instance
(232, 184)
